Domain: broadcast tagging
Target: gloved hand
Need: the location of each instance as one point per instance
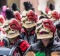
(1, 43)
(24, 45)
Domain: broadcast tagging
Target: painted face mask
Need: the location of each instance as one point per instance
(45, 29)
(12, 28)
(30, 19)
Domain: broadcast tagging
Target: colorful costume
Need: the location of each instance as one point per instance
(29, 26)
(13, 30)
(45, 46)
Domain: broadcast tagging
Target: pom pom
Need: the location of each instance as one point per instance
(32, 16)
(15, 25)
(49, 24)
(55, 15)
(17, 16)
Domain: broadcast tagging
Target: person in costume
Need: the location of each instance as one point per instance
(29, 26)
(53, 15)
(45, 34)
(13, 30)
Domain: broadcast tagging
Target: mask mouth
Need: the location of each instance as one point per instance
(43, 32)
(12, 32)
(27, 23)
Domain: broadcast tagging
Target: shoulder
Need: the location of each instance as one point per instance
(35, 47)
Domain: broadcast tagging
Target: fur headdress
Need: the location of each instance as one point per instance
(14, 7)
(28, 6)
(9, 14)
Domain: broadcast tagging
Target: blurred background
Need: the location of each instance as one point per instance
(37, 4)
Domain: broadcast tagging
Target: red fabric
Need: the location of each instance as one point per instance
(24, 46)
(49, 24)
(1, 43)
(2, 19)
(15, 25)
(47, 10)
(17, 16)
(32, 16)
(55, 15)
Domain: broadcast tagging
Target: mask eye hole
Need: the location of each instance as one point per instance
(5, 26)
(23, 16)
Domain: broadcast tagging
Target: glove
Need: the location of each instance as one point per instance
(24, 45)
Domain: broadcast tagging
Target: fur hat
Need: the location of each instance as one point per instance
(3, 10)
(28, 6)
(2, 34)
(9, 14)
(14, 7)
(45, 29)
